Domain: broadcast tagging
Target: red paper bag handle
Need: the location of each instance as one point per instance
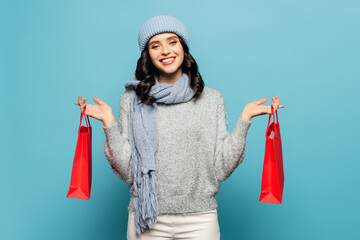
(88, 120)
(267, 134)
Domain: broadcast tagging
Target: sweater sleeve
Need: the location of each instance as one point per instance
(117, 146)
(230, 148)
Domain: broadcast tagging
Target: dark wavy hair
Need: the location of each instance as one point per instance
(145, 71)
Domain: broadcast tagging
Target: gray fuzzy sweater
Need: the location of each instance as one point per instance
(195, 151)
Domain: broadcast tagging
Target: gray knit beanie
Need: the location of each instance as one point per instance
(160, 24)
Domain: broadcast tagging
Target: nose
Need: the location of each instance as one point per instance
(165, 50)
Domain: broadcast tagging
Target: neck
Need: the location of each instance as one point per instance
(170, 77)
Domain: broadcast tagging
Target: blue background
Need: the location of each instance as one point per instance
(307, 52)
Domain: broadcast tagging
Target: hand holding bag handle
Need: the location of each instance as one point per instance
(85, 116)
(267, 133)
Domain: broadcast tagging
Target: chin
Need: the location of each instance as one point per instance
(169, 71)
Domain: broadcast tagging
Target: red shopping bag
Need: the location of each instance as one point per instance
(273, 173)
(80, 184)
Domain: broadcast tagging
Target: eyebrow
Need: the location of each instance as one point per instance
(166, 39)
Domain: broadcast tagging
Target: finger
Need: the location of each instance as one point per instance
(279, 106)
(274, 99)
(83, 102)
(261, 101)
(98, 101)
(80, 101)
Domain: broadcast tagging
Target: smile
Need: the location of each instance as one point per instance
(167, 61)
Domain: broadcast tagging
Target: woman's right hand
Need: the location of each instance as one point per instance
(102, 112)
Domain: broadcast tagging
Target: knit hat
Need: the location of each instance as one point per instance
(160, 24)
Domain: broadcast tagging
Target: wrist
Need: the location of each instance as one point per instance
(109, 121)
(245, 116)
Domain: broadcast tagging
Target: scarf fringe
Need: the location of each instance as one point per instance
(147, 202)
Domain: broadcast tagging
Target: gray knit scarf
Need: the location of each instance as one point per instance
(143, 136)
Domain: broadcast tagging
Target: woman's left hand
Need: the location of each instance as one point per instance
(255, 108)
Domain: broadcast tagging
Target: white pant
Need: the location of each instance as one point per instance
(203, 226)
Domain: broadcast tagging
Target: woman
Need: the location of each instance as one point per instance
(171, 143)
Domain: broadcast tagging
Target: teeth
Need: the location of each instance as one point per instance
(167, 60)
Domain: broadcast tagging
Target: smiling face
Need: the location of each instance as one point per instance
(167, 55)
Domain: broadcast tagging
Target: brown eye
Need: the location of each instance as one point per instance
(173, 42)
